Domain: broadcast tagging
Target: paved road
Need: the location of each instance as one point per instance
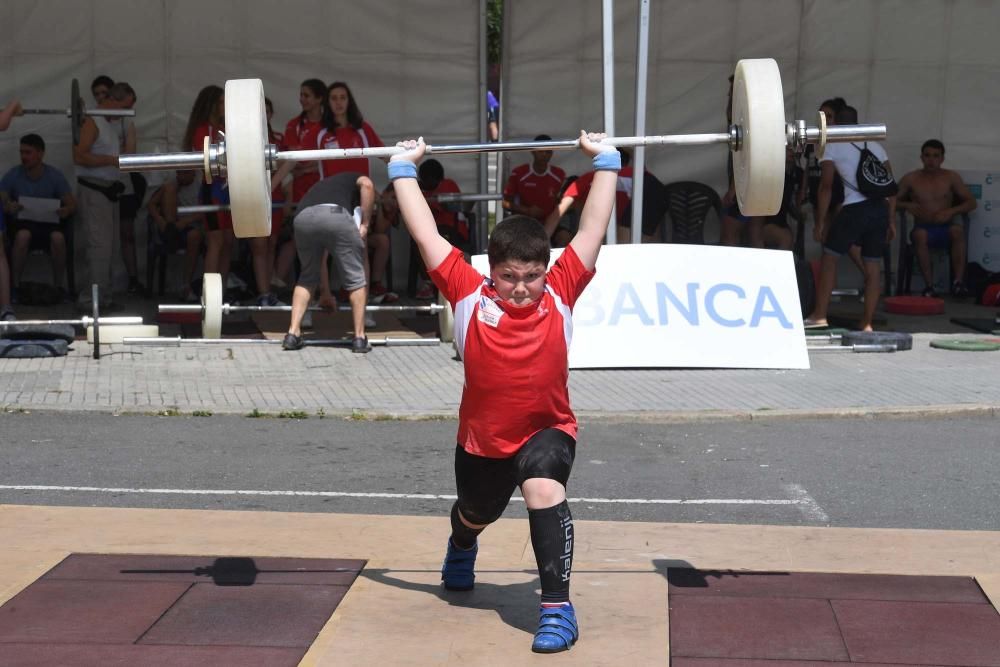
(937, 473)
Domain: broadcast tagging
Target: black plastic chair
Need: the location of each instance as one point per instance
(688, 204)
(908, 254)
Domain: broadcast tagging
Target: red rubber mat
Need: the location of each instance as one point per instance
(173, 610)
(782, 619)
(913, 305)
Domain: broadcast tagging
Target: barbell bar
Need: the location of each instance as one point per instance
(177, 341)
(212, 308)
(446, 198)
(83, 321)
(858, 348)
(757, 138)
(77, 110)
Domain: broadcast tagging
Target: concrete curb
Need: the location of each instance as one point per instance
(941, 411)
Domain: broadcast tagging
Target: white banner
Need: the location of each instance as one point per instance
(687, 306)
(984, 222)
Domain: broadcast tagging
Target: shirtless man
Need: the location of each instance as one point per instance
(936, 197)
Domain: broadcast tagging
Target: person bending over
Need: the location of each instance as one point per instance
(325, 222)
(513, 330)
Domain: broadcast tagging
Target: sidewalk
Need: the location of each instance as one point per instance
(414, 382)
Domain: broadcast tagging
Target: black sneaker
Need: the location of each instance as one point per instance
(928, 292)
(134, 286)
(360, 345)
(959, 290)
(292, 342)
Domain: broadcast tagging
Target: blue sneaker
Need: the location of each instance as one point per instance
(458, 573)
(557, 629)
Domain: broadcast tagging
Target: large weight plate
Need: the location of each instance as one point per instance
(246, 169)
(759, 164)
(446, 320)
(76, 110)
(211, 305)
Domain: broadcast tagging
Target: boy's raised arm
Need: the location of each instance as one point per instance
(417, 216)
(596, 213)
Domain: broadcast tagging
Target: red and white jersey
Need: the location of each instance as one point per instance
(580, 188)
(346, 137)
(300, 134)
(516, 357)
(528, 188)
(442, 216)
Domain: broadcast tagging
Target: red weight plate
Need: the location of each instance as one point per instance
(913, 305)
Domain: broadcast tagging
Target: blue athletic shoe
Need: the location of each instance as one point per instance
(458, 573)
(557, 629)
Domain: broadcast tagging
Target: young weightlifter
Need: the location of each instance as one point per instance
(513, 330)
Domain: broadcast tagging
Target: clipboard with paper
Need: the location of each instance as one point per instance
(39, 209)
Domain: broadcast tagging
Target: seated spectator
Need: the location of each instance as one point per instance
(451, 224)
(569, 222)
(576, 194)
(176, 230)
(936, 198)
(533, 187)
(774, 230)
(34, 178)
(379, 245)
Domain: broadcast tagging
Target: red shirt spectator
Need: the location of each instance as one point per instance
(530, 190)
(580, 188)
(346, 137)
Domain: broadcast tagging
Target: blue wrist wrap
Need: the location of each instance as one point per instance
(608, 161)
(402, 169)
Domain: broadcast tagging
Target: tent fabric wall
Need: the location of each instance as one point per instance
(926, 68)
(413, 65)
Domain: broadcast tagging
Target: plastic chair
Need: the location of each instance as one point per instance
(688, 204)
(908, 254)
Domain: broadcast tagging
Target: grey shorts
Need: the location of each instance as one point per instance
(327, 228)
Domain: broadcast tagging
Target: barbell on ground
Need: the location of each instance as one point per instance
(177, 341)
(212, 308)
(757, 138)
(76, 111)
(447, 198)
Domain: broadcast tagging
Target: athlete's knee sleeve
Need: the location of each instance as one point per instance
(552, 540)
(461, 535)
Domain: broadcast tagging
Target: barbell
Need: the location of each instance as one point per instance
(757, 138)
(212, 308)
(445, 198)
(177, 341)
(77, 110)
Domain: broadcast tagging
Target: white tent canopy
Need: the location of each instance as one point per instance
(414, 67)
(926, 68)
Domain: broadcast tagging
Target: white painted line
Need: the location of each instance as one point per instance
(810, 508)
(399, 496)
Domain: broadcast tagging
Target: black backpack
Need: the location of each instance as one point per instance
(874, 180)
